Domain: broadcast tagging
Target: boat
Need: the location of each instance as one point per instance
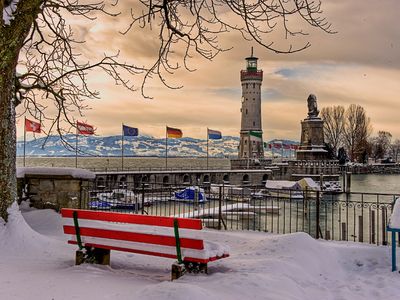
(284, 189)
(332, 187)
(193, 194)
(116, 199)
(229, 192)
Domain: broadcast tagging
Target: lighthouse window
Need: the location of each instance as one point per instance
(254, 85)
(247, 85)
(254, 99)
(246, 111)
(254, 123)
(245, 142)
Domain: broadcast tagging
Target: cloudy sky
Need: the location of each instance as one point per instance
(359, 64)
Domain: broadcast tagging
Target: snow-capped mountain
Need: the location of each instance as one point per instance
(133, 146)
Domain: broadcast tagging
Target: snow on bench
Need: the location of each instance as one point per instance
(177, 238)
(394, 227)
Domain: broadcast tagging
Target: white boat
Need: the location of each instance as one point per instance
(284, 189)
(116, 199)
(332, 187)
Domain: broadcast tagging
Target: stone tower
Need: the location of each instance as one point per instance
(251, 142)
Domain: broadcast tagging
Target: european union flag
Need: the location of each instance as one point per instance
(130, 131)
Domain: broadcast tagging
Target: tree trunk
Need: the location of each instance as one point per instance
(8, 182)
(11, 42)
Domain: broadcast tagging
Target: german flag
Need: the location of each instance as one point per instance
(174, 133)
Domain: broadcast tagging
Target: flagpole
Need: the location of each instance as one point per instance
(76, 147)
(122, 148)
(24, 138)
(272, 151)
(207, 148)
(166, 147)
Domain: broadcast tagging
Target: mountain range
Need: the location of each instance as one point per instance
(146, 146)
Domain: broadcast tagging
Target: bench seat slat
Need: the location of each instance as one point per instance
(132, 218)
(135, 237)
(206, 253)
(152, 253)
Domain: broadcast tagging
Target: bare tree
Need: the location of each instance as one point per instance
(380, 145)
(357, 129)
(395, 149)
(35, 37)
(333, 126)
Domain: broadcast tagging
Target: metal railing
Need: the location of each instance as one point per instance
(358, 217)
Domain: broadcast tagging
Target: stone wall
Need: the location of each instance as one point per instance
(51, 191)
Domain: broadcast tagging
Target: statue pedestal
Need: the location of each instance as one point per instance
(312, 140)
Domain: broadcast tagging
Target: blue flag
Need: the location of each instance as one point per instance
(130, 131)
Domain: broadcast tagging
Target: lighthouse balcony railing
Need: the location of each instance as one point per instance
(249, 75)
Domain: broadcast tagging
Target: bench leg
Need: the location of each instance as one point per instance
(93, 255)
(101, 256)
(79, 257)
(394, 268)
(178, 270)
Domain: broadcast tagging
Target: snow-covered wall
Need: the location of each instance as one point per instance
(51, 171)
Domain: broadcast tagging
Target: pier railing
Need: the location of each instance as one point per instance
(358, 217)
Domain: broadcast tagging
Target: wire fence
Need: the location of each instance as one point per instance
(358, 217)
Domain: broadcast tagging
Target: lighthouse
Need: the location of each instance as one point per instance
(251, 142)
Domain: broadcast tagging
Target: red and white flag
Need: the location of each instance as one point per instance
(84, 128)
(32, 126)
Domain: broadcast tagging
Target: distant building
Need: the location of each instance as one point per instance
(251, 141)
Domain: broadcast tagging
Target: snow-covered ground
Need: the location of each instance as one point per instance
(36, 263)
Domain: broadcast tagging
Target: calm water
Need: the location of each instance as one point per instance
(115, 163)
(376, 183)
(370, 183)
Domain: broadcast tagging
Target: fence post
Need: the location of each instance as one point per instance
(384, 240)
(143, 198)
(372, 227)
(317, 217)
(360, 229)
(344, 232)
(220, 207)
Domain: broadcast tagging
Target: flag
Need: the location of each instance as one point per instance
(266, 145)
(214, 134)
(32, 126)
(256, 134)
(130, 131)
(294, 147)
(174, 132)
(277, 145)
(286, 146)
(84, 128)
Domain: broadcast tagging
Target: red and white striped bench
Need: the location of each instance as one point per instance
(96, 233)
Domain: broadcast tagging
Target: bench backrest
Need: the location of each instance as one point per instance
(134, 233)
(184, 223)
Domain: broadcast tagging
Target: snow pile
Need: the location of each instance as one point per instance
(395, 217)
(51, 171)
(18, 238)
(35, 265)
(8, 11)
